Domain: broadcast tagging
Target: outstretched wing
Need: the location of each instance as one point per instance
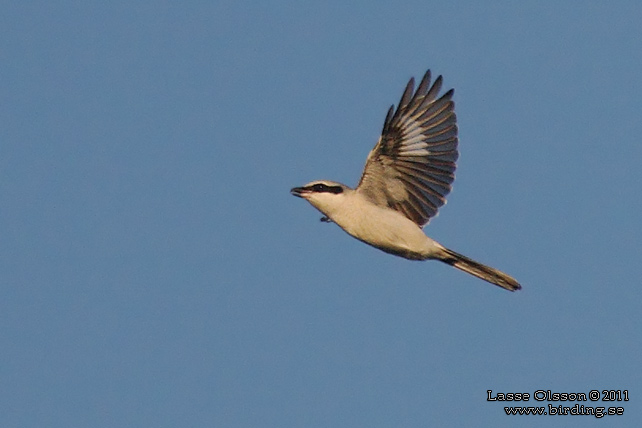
(412, 166)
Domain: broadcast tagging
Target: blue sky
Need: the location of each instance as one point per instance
(155, 270)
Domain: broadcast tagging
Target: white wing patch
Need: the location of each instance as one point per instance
(412, 166)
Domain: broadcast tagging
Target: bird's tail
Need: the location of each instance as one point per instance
(484, 272)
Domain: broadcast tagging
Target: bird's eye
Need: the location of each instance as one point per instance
(324, 188)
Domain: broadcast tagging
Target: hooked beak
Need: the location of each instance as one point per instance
(299, 191)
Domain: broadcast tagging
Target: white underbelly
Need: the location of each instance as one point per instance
(389, 231)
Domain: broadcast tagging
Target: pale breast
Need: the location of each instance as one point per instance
(385, 229)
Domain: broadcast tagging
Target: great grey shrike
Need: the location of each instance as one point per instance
(406, 179)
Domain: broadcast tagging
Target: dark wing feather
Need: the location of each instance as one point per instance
(412, 167)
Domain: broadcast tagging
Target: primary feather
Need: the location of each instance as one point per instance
(412, 166)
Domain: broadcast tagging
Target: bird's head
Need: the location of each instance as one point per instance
(326, 196)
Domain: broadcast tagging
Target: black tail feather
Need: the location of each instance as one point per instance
(479, 270)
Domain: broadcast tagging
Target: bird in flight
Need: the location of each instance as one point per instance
(406, 179)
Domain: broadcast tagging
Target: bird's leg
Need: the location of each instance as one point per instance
(326, 219)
